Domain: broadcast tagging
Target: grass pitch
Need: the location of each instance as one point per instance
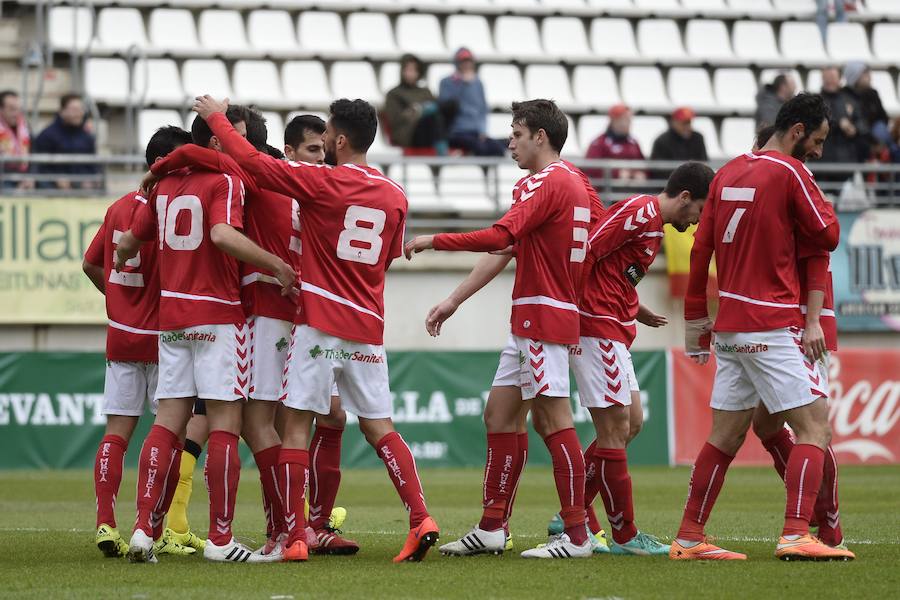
(46, 536)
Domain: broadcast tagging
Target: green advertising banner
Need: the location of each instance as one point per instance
(51, 410)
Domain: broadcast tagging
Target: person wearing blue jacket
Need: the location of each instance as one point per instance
(67, 134)
(468, 130)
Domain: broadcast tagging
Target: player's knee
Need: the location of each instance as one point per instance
(336, 419)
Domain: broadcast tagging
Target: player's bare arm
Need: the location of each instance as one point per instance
(236, 244)
(420, 243)
(206, 105)
(649, 318)
(813, 339)
(126, 249)
(697, 324)
(485, 270)
(95, 274)
(148, 182)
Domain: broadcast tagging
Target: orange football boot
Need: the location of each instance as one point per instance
(810, 548)
(298, 551)
(703, 551)
(419, 540)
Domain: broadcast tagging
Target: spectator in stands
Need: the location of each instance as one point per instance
(771, 96)
(15, 139)
(858, 77)
(680, 142)
(617, 143)
(413, 115)
(845, 142)
(469, 128)
(894, 143)
(69, 133)
(840, 15)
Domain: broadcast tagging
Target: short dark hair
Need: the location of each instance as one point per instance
(779, 80)
(412, 58)
(542, 114)
(810, 110)
(357, 120)
(693, 177)
(273, 152)
(296, 129)
(7, 94)
(164, 141)
(764, 134)
(200, 131)
(257, 132)
(68, 99)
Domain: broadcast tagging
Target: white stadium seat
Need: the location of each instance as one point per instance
(769, 75)
(754, 41)
(708, 40)
(573, 146)
(706, 127)
(371, 35)
(887, 89)
(472, 32)
(704, 7)
(272, 32)
(657, 5)
(568, 7)
(275, 129)
(751, 7)
(590, 127)
(120, 28)
(613, 39)
(804, 8)
(499, 125)
(380, 147)
(388, 76)
(418, 183)
(886, 41)
(257, 82)
(463, 188)
(421, 35)
(690, 86)
(643, 88)
(549, 81)
(612, 5)
(660, 40)
(735, 89)
(502, 84)
(149, 120)
(202, 76)
(646, 129)
(566, 38)
(306, 84)
(437, 72)
(518, 37)
(322, 33)
(884, 7)
(848, 41)
(507, 176)
(355, 79)
(172, 30)
(814, 80)
(737, 136)
(222, 31)
(106, 80)
(70, 28)
(802, 43)
(595, 86)
(161, 79)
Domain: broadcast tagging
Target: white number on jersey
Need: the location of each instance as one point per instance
(295, 245)
(733, 225)
(580, 234)
(168, 217)
(360, 241)
(130, 279)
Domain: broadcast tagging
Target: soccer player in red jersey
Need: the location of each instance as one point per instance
(352, 223)
(757, 206)
(132, 307)
(621, 250)
(195, 218)
(548, 226)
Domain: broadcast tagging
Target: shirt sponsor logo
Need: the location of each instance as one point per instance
(341, 354)
(575, 351)
(634, 273)
(170, 337)
(742, 348)
(281, 345)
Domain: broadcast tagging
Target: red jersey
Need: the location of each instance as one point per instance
(827, 318)
(755, 203)
(199, 284)
(352, 220)
(597, 208)
(132, 295)
(621, 250)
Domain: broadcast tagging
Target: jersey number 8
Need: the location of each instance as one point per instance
(360, 241)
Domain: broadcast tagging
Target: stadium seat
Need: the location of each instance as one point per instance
(550, 81)
(886, 41)
(848, 41)
(507, 175)
(708, 40)
(355, 79)
(70, 28)
(106, 80)
(371, 35)
(802, 43)
(162, 81)
(887, 89)
(769, 75)
(463, 188)
(272, 32)
(754, 42)
(737, 136)
(735, 89)
(751, 7)
(418, 183)
(380, 147)
(660, 40)
(643, 89)
(257, 82)
(306, 84)
(690, 86)
(120, 28)
(172, 30)
(388, 76)
(498, 125)
(568, 7)
(275, 129)
(572, 148)
(421, 35)
(565, 38)
(472, 32)
(814, 80)
(800, 8)
(222, 31)
(612, 5)
(203, 76)
(149, 120)
(590, 127)
(646, 129)
(518, 37)
(706, 127)
(322, 34)
(658, 6)
(613, 39)
(595, 86)
(502, 84)
(705, 7)
(437, 72)
(883, 7)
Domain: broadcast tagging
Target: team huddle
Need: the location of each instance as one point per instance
(245, 296)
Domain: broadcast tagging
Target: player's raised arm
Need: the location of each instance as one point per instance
(143, 229)
(485, 270)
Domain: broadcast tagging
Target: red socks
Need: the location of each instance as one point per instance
(568, 471)
(826, 508)
(292, 481)
(516, 474)
(502, 450)
(159, 515)
(267, 463)
(706, 482)
(615, 489)
(401, 467)
(802, 479)
(108, 476)
(222, 472)
(591, 488)
(325, 474)
(779, 446)
(154, 467)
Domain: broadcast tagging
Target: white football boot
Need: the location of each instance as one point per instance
(233, 551)
(272, 550)
(477, 541)
(140, 549)
(560, 546)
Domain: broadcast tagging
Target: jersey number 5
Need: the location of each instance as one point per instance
(580, 234)
(360, 241)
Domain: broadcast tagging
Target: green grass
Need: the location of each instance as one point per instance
(46, 544)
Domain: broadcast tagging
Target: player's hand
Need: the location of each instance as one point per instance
(125, 251)
(650, 318)
(505, 252)
(287, 277)
(697, 339)
(149, 182)
(437, 315)
(813, 340)
(418, 244)
(206, 105)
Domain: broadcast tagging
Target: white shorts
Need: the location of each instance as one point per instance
(768, 366)
(316, 362)
(269, 342)
(210, 362)
(538, 368)
(604, 372)
(128, 386)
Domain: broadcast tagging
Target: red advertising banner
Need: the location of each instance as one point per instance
(864, 391)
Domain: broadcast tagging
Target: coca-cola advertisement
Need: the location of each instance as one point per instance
(864, 399)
